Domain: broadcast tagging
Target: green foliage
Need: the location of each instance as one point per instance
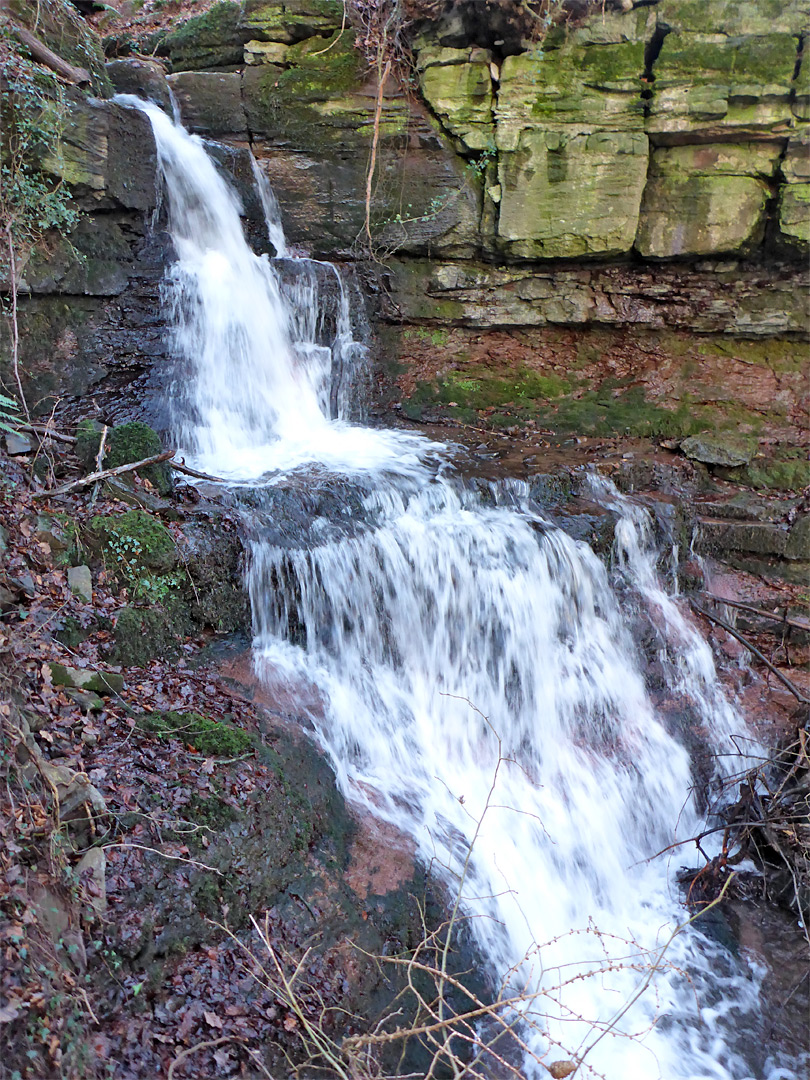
(8, 413)
(31, 202)
(208, 736)
(486, 157)
(140, 552)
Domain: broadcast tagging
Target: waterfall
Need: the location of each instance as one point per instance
(476, 680)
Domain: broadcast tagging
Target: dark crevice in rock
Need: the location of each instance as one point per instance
(771, 215)
(798, 66)
(248, 129)
(651, 52)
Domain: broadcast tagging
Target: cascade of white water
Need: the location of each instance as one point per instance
(272, 214)
(478, 685)
(252, 395)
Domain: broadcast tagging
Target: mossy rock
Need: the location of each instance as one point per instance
(213, 39)
(210, 737)
(88, 440)
(134, 442)
(141, 634)
(135, 542)
(788, 473)
(212, 812)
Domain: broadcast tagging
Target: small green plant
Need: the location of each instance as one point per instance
(127, 551)
(480, 164)
(9, 415)
(31, 201)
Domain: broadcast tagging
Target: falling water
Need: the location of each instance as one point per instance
(478, 686)
(272, 213)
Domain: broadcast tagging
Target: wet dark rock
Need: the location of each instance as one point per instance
(797, 545)
(211, 102)
(755, 537)
(143, 78)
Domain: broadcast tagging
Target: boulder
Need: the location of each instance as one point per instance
(135, 441)
(719, 449)
(143, 78)
(18, 443)
(210, 102)
(80, 583)
(97, 682)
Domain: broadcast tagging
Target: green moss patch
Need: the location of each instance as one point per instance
(212, 39)
(788, 472)
(212, 812)
(209, 737)
(134, 442)
(141, 634)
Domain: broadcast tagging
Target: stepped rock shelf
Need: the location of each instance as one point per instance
(644, 169)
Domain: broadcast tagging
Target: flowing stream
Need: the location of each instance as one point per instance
(476, 678)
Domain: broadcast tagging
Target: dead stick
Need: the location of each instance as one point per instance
(183, 468)
(47, 432)
(209, 1044)
(752, 648)
(93, 477)
(99, 463)
(799, 624)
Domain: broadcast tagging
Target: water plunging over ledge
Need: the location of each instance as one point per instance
(479, 686)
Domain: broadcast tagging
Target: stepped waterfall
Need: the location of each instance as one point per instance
(473, 676)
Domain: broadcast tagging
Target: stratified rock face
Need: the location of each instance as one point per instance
(794, 198)
(673, 129)
(638, 130)
(569, 128)
(106, 152)
(706, 199)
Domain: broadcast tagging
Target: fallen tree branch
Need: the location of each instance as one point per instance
(49, 58)
(752, 648)
(208, 1044)
(104, 474)
(798, 624)
(181, 466)
(46, 432)
(99, 462)
(86, 481)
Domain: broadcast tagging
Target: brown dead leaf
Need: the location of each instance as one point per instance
(212, 1020)
(560, 1069)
